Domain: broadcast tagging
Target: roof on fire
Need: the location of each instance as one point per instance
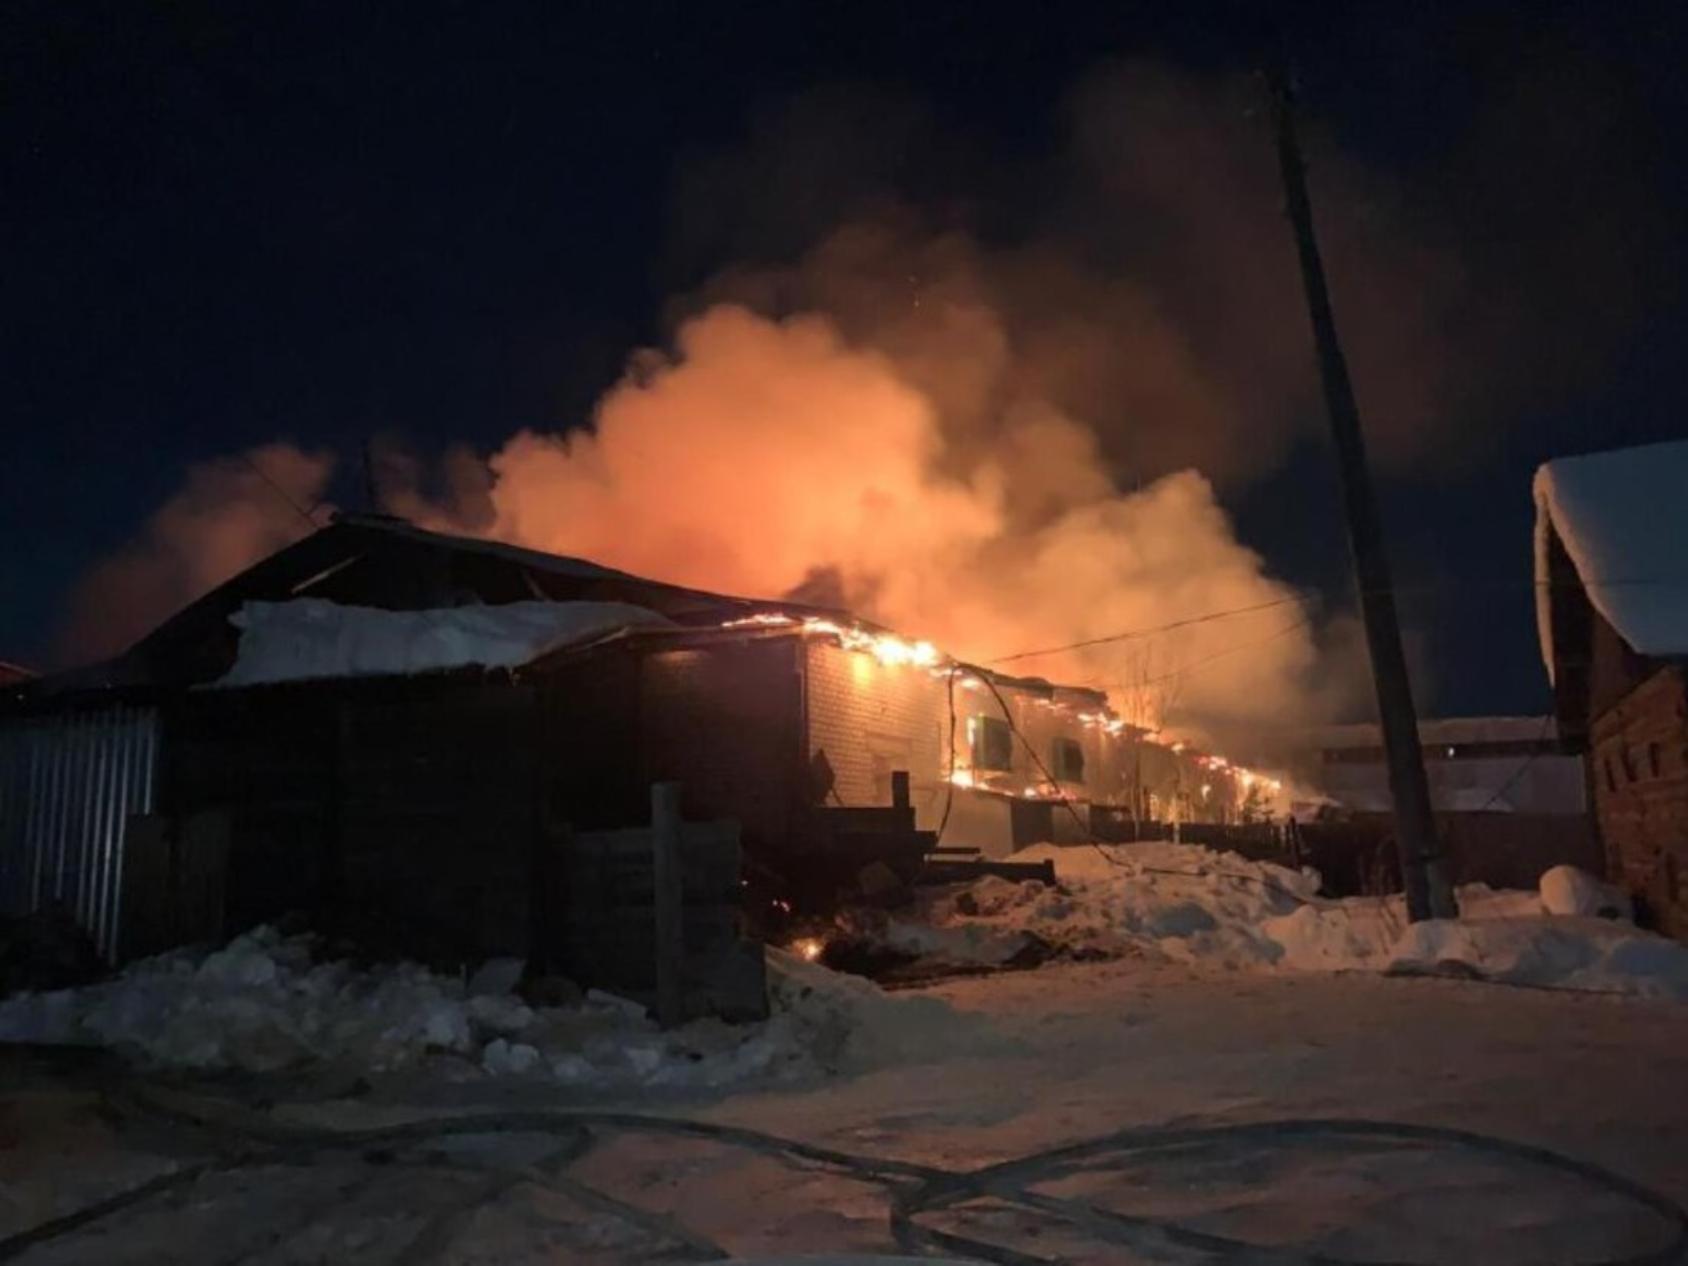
(389, 564)
(376, 561)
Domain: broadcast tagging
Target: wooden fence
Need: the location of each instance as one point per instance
(655, 914)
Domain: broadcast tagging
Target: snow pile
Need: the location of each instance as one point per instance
(1623, 519)
(1567, 890)
(849, 1024)
(1181, 902)
(959, 945)
(261, 1004)
(1548, 951)
(1186, 903)
(310, 638)
(1360, 933)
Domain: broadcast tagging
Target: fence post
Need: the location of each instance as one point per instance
(668, 902)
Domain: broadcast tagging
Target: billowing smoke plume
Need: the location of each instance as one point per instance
(981, 400)
(230, 513)
(770, 457)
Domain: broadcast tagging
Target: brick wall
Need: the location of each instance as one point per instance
(869, 718)
(1639, 766)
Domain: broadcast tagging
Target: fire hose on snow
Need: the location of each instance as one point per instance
(245, 1138)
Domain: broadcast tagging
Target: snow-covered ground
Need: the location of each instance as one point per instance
(263, 1003)
(1215, 1007)
(1081, 1049)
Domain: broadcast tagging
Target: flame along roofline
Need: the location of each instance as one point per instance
(1090, 707)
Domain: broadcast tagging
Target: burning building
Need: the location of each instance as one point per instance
(404, 725)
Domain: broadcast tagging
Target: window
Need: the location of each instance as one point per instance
(992, 741)
(1628, 763)
(1068, 760)
(1653, 758)
(1606, 764)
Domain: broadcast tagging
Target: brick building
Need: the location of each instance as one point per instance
(1612, 611)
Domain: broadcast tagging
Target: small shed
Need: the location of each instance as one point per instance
(1611, 576)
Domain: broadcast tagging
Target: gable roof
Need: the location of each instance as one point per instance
(1621, 518)
(389, 564)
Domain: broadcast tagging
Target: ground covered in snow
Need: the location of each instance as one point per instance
(1231, 1003)
(1081, 1050)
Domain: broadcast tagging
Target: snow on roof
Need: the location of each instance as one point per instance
(1622, 517)
(310, 638)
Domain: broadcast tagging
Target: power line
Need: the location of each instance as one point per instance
(1089, 835)
(1139, 633)
(1303, 593)
(1529, 760)
(1200, 663)
(280, 491)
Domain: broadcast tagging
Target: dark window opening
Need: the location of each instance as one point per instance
(1611, 780)
(1068, 760)
(1653, 758)
(1628, 763)
(993, 743)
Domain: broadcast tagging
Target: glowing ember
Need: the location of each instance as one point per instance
(887, 648)
(808, 948)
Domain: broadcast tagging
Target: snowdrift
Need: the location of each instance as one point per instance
(261, 1004)
(1188, 904)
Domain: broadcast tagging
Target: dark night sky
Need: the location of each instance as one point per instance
(227, 222)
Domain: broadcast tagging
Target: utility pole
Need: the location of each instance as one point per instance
(371, 497)
(1424, 871)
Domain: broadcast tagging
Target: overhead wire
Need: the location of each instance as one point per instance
(281, 492)
(1307, 593)
(1523, 766)
(1090, 836)
(1191, 667)
(1134, 634)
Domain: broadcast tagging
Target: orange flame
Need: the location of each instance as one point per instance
(887, 648)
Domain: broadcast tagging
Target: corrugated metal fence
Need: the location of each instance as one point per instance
(68, 784)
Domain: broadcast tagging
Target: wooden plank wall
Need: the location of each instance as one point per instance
(405, 817)
(602, 891)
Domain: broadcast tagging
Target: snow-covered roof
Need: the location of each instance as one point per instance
(309, 638)
(1622, 517)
